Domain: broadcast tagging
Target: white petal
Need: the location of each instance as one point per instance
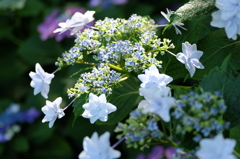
(111, 108)
(197, 63)
(231, 28)
(102, 98)
(181, 57)
(52, 122)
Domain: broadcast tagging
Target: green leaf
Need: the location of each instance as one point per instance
(234, 134)
(193, 10)
(34, 50)
(20, 144)
(77, 106)
(171, 66)
(216, 47)
(29, 10)
(12, 4)
(125, 98)
(227, 82)
(55, 147)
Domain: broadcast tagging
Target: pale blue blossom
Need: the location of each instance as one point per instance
(76, 23)
(227, 17)
(98, 148)
(97, 108)
(216, 148)
(52, 111)
(190, 57)
(157, 101)
(153, 77)
(40, 81)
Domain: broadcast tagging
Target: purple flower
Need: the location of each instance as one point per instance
(159, 152)
(53, 19)
(10, 118)
(106, 3)
(30, 115)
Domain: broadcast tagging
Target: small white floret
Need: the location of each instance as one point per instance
(40, 81)
(52, 111)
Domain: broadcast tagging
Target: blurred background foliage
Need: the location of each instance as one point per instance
(21, 48)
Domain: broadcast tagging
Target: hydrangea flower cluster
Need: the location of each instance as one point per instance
(227, 17)
(100, 81)
(12, 117)
(200, 114)
(140, 133)
(114, 42)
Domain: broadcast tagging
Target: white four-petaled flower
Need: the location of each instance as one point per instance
(227, 17)
(40, 81)
(97, 108)
(158, 101)
(52, 111)
(76, 23)
(175, 25)
(216, 148)
(98, 148)
(190, 57)
(153, 77)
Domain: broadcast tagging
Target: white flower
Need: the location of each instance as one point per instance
(229, 8)
(52, 110)
(157, 101)
(227, 17)
(190, 57)
(98, 148)
(175, 25)
(40, 81)
(231, 26)
(153, 77)
(216, 148)
(76, 23)
(97, 108)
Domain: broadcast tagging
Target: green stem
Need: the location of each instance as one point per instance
(87, 63)
(164, 129)
(116, 67)
(236, 153)
(124, 77)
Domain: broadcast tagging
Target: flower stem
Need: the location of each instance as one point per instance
(124, 77)
(164, 129)
(170, 53)
(119, 141)
(69, 103)
(160, 25)
(236, 153)
(116, 67)
(55, 71)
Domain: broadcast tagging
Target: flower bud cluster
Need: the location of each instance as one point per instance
(200, 114)
(140, 133)
(100, 81)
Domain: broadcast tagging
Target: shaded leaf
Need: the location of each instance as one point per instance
(171, 66)
(234, 134)
(227, 82)
(77, 106)
(216, 47)
(125, 98)
(34, 50)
